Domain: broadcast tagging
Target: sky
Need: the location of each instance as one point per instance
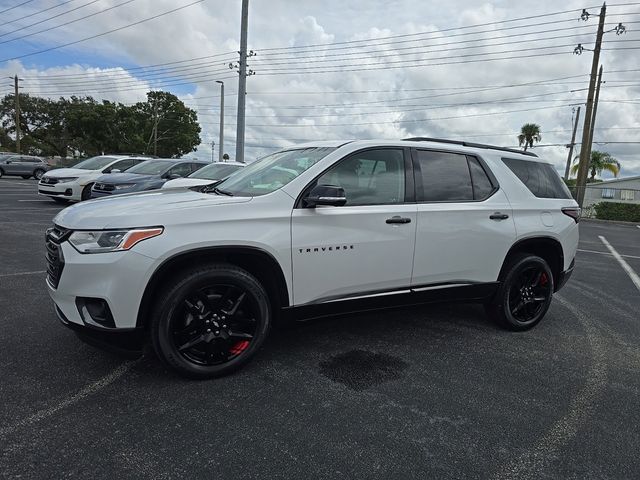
(461, 69)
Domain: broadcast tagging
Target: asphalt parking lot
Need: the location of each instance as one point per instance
(434, 392)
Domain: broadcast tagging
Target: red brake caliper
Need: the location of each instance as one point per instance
(543, 279)
(239, 347)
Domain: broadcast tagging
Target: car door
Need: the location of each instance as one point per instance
(364, 247)
(14, 165)
(465, 226)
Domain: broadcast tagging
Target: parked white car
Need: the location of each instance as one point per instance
(74, 184)
(310, 231)
(211, 173)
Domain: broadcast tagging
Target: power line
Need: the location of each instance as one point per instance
(45, 20)
(15, 6)
(103, 33)
(14, 20)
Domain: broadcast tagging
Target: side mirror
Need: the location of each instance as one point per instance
(326, 195)
(115, 170)
(173, 176)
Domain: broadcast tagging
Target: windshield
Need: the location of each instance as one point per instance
(215, 171)
(150, 167)
(273, 171)
(95, 163)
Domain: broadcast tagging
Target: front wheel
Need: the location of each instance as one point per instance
(210, 321)
(524, 295)
(37, 173)
(86, 192)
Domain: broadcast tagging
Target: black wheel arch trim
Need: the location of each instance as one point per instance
(182, 259)
(521, 244)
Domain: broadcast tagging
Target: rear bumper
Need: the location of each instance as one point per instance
(564, 277)
(125, 343)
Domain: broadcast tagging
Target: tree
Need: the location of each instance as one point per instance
(529, 133)
(598, 162)
(81, 126)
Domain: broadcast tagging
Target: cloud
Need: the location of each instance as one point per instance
(288, 102)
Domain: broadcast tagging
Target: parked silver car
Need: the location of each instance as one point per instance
(25, 166)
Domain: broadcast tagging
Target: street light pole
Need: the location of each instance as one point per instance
(221, 141)
(213, 146)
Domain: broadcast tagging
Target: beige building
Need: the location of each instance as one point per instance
(621, 190)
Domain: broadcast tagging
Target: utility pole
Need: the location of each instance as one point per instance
(571, 145)
(595, 108)
(242, 82)
(585, 152)
(17, 108)
(155, 127)
(221, 141)
(213, 146)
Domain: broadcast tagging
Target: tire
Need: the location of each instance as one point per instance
(524, 295)
(26, 177)
(37, 173)
(86, 192)
(210, 321)
(1, 173)
(62, 201)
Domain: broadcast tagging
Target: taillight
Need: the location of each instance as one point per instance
(573, 212)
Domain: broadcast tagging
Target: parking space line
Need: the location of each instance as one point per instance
(80, 395)
(22, 273)
(607, 253)
(625, 266)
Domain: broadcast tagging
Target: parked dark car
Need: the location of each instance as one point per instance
(25, 166)
(149, 175)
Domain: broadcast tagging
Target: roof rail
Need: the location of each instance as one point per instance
(469, 144)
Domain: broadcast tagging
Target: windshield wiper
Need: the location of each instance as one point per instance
(219, 191)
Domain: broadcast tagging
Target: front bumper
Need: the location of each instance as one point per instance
(564, 277)
(118, 279)
(126, 343)
(68, 190)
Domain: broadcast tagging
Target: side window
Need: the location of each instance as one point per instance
(482, 186)
(373, 177)
(122, 165)
(195, 167)
(183, 169)
(540, 178)
(445, 177)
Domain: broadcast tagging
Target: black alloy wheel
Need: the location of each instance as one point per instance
(525, 293)
(86, 192)
(211, 321)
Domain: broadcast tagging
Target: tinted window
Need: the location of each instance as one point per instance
(445, 177)
(182, 169)
(194, 167)
(540, 178)
(482, 186)
(122, 165)
(374, 177)
(151, 167)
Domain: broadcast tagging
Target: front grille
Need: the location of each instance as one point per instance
(103, 187)
(48, 180)
(55, 260)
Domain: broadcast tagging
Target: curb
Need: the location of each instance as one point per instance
(615, 222)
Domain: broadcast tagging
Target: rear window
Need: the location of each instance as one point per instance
(540, 178)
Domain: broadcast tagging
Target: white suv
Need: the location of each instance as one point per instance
(65, 184)
(307, 232)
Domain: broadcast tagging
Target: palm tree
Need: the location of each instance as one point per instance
(599, 161)
(529, 133)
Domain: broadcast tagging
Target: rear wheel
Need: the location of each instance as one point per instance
(86, 192)
(210, 321)
(37, 173)
(1, 173)
(525, 293)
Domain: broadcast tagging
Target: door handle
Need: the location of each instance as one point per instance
(398, 219)
(499, 216)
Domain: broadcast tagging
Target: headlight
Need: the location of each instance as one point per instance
(102, 241)
(122, 186)
(65, 179)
